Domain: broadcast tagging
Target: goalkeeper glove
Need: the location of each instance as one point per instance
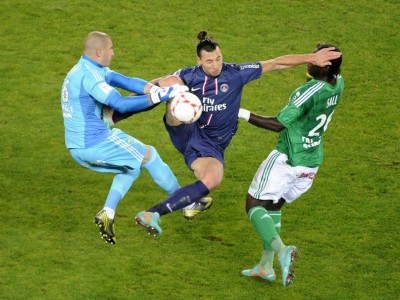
(166, 93)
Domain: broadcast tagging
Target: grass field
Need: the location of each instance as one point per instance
(346, 227)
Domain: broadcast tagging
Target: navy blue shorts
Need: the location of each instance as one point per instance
(191, 141)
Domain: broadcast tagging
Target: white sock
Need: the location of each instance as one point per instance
(110, 212)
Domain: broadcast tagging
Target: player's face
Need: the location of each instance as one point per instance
(211, 62)
(107, 53)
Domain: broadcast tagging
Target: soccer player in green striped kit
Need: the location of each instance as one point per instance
(290, 168)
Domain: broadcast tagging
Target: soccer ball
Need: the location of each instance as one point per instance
(186, 107)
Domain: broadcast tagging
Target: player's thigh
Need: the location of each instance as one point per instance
(120, 152)
(272, 179)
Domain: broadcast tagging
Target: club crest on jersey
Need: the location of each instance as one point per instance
(224, 88)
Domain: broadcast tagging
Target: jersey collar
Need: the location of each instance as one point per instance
(92, 61)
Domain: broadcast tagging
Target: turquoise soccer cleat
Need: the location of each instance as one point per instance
(286, 262)
(258, 272)
(149, 220)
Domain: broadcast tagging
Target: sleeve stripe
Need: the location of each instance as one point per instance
(96, 74)
(308, 93)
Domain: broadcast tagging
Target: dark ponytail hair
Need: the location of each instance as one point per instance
(205, 44)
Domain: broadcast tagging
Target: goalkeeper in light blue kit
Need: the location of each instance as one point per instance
(289, 170)
(89, 86)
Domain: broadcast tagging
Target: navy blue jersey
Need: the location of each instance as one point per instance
(220, 96)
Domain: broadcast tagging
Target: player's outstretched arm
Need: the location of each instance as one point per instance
(270, 123)
(138, 103)
(167, 80)
(321, 58)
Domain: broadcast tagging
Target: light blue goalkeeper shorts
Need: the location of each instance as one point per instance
(119, 153)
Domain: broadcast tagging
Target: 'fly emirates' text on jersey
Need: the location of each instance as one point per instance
(220, 96)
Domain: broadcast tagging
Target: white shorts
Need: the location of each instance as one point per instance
(276, 179)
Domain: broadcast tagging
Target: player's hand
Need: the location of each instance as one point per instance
(166, 93)
(322, 57)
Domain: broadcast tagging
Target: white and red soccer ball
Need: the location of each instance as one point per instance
(186, 107)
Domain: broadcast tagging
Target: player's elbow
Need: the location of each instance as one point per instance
(279, 127)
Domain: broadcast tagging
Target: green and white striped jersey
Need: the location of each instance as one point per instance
(306, 118)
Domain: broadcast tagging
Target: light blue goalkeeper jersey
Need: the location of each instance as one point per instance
(88, 86)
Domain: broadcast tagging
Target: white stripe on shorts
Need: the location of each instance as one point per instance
(128, 147)
(266, 172)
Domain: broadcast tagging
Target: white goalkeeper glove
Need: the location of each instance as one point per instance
(166, 93)
(244, 114)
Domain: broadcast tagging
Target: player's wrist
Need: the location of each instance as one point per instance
(154, 89)
(244, 114)
(167, 93)
(155, 97)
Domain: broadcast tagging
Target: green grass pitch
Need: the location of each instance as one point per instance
(346, 227)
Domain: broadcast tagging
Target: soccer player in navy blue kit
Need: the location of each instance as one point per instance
(219, 86)
(89, 86)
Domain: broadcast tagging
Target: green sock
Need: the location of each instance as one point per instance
(277, 245)
(276, 216)
(267, 258)
(263, 224)
(265, 227)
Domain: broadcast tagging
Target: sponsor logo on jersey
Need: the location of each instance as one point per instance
(249, 66)
(310, 175)
(296, 96)
(309, 142)
(209, 105)
(195, 89)
(105, 87)
(67, 110)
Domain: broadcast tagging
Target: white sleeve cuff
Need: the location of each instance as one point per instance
(244, 114)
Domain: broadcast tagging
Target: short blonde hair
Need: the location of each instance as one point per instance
(95, 40)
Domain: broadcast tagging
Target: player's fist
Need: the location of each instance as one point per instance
(166, 93)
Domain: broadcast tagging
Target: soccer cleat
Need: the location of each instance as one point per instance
(258, 272)
(286, 262)
(199, 206)
(106, 226)
(149, 220)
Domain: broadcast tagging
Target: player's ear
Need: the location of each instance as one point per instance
(99, 52)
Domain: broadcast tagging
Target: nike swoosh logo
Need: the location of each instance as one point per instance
(147, 217)
(169, 207)
(194, 89)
